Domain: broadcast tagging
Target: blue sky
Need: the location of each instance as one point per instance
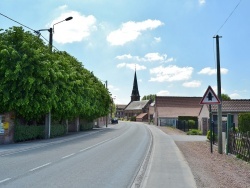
(169, 42)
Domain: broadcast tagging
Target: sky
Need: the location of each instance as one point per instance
(170, 43)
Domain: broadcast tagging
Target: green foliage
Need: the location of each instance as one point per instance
(244, 122)
(215, 136)
(58, 130)
(191, 124)
(225, 97)
(86, 126)
(148, 97)
(23, 133)
(32, 132)
(133, 118)
(35, 81)
(194, 132)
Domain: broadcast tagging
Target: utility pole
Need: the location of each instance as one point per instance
(106, 83)
(48, 115)
(219, 115)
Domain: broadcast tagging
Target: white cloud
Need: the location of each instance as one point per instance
(210, 71)
(149, 57)
(129, 31)
(194, 83)
(170, 73)
(157, 39)
(74, 30)
(154, 57)
(131, 66)
(202, 2)
(235, 96)
(163, 93)
(63, 7)
(125, 56)
(111, 87)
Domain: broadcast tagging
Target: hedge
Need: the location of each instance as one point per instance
(32, 132)
(244, 122)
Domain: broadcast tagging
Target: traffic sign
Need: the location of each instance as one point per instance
(210, 97)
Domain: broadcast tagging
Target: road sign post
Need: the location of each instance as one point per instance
(210, 98)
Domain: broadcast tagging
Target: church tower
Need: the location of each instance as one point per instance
(135, 96)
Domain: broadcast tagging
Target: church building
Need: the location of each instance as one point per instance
(136, 109)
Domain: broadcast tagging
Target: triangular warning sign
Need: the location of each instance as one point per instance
(210, 97)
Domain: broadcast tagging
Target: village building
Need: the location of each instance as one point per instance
(233, 107)
(168, 109)
(136, 109)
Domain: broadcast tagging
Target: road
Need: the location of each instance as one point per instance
(121, 156)
(108, 157)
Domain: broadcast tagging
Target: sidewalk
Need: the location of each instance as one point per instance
(167, 167)
(35, 144)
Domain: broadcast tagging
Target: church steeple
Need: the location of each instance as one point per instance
(135, 96)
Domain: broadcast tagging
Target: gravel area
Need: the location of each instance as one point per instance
(212, 170)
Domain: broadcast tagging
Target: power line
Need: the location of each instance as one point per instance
(35, 31)
(228, 17)
(17, 22)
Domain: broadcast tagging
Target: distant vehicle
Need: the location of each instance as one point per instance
(114, 120)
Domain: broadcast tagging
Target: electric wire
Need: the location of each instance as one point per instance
(17, 22)
(228, 17)
(35, 31)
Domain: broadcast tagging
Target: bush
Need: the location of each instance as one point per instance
(28, 132)
(194, 132)
(58, 130)
(133, 118)
(191, 124)
(215, 135)
(244, 122)
(86, 126)
(32, 132)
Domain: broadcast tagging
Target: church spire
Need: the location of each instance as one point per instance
(135, 96)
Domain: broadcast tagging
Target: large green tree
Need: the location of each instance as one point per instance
(34, 81)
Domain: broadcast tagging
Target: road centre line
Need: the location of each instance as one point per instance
(31, 170)
(95, 145)
(68, 155)
(7, 179)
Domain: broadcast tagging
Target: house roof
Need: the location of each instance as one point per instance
(236, 105)
(174, 101)
(137, 105)
(177, 111)
(142, 115)
(172, 106)
(121, 106)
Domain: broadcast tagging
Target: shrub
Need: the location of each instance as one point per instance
(191, 124)
(133, 118)
(58, 130)
(194, 132)
(215, 136)
(86, 126)
(32, 132)
(244, 122)
(28, 132)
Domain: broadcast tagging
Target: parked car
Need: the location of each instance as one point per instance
(114, 120)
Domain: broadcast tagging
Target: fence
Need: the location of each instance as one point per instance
(185, 125)
(239, 145)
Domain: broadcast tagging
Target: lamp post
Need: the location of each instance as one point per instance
(48, 116)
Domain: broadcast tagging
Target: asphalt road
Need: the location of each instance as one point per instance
(108, 157)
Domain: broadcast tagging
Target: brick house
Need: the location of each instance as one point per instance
(167, 109)
(233, 107)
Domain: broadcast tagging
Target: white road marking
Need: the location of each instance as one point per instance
(7, 179)
(95, 145)
(39, 167)
(68, 155)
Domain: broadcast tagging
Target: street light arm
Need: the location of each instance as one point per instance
(67, 19)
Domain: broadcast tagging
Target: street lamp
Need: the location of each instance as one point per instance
(48, 116)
